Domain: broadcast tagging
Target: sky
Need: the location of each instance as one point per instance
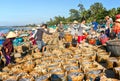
(21, 12)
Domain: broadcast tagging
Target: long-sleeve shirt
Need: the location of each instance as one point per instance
(80, 31)
(40, 32)
(8, 45)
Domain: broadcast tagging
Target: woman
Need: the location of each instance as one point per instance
(7, 48)
(103, 38)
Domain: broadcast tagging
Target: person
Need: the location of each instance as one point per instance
(80, 34)
(111, 22)
(116, 28)
(61, 30)
(81, 31)
(74, 29)
(107, 28)
(7, 47)
(103, 38)
(32, 34)
(39, 35)
(0, 57)
(95, 25)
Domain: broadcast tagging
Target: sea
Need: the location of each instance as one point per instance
(6, 29)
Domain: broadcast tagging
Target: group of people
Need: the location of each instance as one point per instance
(79, 32)
(8, 47)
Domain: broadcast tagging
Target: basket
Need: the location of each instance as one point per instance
(68, 37)
(111, 62)
(102, 57)
(113, 46)
(75, 76)
(117, 72)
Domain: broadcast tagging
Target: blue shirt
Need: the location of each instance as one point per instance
(95, 24)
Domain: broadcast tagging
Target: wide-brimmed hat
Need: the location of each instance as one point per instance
(117, 20)
(107, 17)
(11, 35)
(75, 22)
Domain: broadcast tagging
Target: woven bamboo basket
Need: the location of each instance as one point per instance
(100, 50)
(93, 75)
(18, 49)
(55, 70)
(61, 75)
(37, 61)
(4, 75)
(36, 55)
(103, 56)
(93, 66)
(68, 37)
(92, 56)
(75, 76)
(85, 59)
(26, 77)
(28, 66)
(109, 79)
(118, 62)
(19, 60)
(117, 72)
(11, 78)
(72, 68)
(35, 74)
(111, 62)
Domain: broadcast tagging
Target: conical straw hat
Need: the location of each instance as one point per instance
(11, 35)
(75, 22)
(117, 20)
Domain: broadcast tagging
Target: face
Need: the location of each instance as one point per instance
(83, 22)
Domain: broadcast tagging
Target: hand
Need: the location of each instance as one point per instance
(6, 50)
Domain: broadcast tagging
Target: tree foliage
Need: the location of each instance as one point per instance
(96, 11)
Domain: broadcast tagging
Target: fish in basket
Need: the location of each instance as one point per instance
(75, 76)
(117, 72)
(111, 62)
(103, 56)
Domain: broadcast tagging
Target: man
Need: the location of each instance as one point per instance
(95, 25)
(39, 35)
(61, 31)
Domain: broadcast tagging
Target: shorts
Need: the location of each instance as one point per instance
(40, 44)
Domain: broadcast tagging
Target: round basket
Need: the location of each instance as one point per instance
(113, 46)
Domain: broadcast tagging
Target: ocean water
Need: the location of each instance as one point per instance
(7, 29)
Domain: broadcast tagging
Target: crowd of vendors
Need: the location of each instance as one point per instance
(79, 32)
